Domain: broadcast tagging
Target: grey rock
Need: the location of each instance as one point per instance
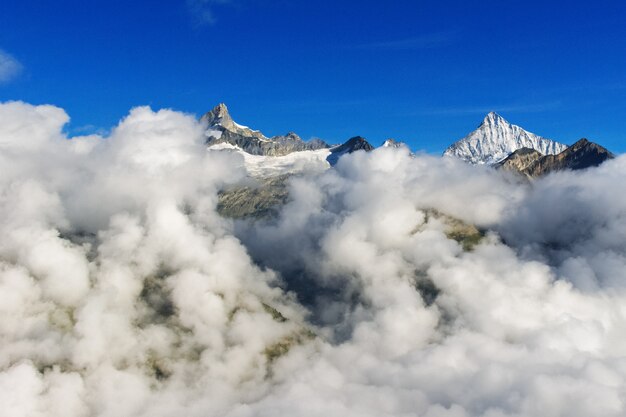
(222, 129)
(520, 161)
(258, 200)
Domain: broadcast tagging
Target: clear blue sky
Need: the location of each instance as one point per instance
(422, 72)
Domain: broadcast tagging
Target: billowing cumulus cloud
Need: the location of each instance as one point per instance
(389, 285)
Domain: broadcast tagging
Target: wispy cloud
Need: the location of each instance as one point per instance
(203, 11)
(424, 41)
(9, 67)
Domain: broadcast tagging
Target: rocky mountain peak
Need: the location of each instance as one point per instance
(391, 143)
(581, 143)
(356, 143)
(495, 139)
(293, 136)
(219, 119)
(221, 128)
(220, 109)
(218, 116)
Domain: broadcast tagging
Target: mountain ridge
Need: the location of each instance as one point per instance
(495, 142)
(495, 139)
(221, 128)
(532, 164)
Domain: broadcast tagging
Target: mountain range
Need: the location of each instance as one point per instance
(508, 147)
(270, 161)
(495, 142)
(222, 129)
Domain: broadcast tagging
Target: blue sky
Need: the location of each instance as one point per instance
(422, 72)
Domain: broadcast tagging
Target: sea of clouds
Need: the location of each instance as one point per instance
(124, 293)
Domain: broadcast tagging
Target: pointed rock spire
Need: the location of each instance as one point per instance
(219, 116)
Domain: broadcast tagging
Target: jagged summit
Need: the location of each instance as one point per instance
(496, 138)
(219, 115)
(583, 154)
(219, 119)
(221, 128)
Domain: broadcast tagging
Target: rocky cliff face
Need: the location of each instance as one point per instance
(520, 161)
(221, 128)
(260, 199)
(530, 163)
(495, 139)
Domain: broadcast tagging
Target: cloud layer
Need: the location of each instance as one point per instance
(123, 292)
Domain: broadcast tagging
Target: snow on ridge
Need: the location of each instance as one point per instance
(267, 166)
(496, 138)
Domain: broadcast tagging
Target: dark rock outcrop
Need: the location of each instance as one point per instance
(532, 164)
(354, 144)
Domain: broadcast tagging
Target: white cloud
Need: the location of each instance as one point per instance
(123, 292)
(507, 327)
(9, 67)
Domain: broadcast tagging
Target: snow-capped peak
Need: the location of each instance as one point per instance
(492, 118)
(496, 138)
(392, 143)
